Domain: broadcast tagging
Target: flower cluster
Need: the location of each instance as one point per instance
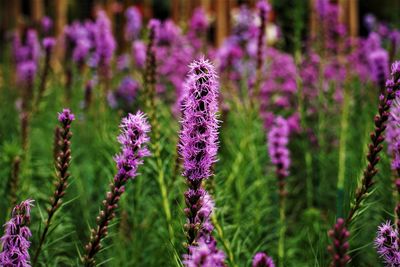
(15, 241)
(133, 138)
(204, 255)
(279, 90)
(125, 94)
(278, 139)
(133, 23)
(386, 243)
(199, 133)
(262, 260)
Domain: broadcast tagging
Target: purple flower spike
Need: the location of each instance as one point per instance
(262, 260)
(379, 62)
(49, 43)
(204, 255)
(278, 139)
(133, 139)
(199, 125)
(66, 116)
(47, 24)
(396, 68)
(387, 245)
(133, 23)
(15, 241)
(26, 72)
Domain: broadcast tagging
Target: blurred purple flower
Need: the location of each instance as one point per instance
(133, 23)
(262, 260)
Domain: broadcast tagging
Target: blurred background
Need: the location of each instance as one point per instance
(295, 16)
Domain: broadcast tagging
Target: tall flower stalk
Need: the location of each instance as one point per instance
(15, 241)
(198, 139)
(133, 140)
(151, 106)
(278, 139)
(62, 165)
(377, 137)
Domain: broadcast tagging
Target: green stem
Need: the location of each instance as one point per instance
(225, 243)
(344, 125)
(282, 232)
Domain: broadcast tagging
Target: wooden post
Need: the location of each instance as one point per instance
(61, 10)
(353, 18)
(37, 10)
(222, 11)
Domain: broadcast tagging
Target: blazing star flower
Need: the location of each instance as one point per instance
(66, 116)
(26, 72)
(379, 62)
(204, 255)
(199, 126)
(133, 139)
(104, 41)
(278, 139)
(125, 94)
(15, 241)
(139, 53)
(386, 244)
(133, 23)
(262, 260)
(393, 133)
(47, 24)
(49, 43)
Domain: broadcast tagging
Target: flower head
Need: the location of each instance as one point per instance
(26, 72)
(133, 23)
(387, 245)
(133, 139)
(198, 138)
(15, 241)
(66, 116)
(48, 43)
(340, 246)
(204, 255)
(262, 260)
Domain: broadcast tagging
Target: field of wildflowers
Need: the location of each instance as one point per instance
(174, 152)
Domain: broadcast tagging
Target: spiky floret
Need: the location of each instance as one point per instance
(387, 245)
(262, 260)
(15, 241)
(199, 135)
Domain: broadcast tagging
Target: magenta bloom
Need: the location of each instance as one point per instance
(393, 133)
(125, 95)
(379, 64)
(49, 43)
(133, 23)
(387, 246)
(15, 241)
(104, 41)
(262, 260)
(46, 24)
(66, 116)
(199, 135)
(278, 139)
(133, 139)
(26, 72)
(204, 255)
